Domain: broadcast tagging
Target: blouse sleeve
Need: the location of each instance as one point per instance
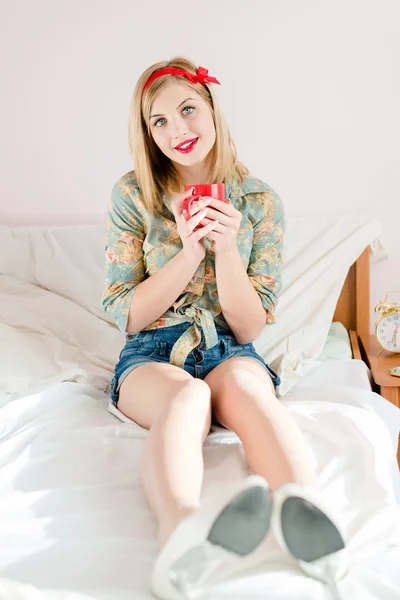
(124, 266)
(264, 268)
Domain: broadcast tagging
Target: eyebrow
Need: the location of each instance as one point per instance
(151, 116)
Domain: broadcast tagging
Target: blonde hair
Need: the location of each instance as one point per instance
(154, 171)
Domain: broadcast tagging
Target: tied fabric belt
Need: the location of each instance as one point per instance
(191, 338)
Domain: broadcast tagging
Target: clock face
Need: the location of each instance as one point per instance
(388, 332)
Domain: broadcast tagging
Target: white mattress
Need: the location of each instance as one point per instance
(74, 522)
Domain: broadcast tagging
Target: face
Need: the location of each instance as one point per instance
(179, 114)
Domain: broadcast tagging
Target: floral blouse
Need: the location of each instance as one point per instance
(137, 246)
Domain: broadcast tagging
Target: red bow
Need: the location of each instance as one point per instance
(201, 76)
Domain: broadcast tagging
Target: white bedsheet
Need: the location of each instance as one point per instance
(74, 522)
(68, 263)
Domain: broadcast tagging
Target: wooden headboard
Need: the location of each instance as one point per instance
(353, 306)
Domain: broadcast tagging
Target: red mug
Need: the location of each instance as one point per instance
(214, 190)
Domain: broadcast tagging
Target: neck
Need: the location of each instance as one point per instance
(195, 175)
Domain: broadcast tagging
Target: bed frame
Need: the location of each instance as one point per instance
(353, 306)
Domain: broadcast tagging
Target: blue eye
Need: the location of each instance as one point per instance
(192, 108)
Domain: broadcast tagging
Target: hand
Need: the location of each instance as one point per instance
(193, 244)
(225, 232)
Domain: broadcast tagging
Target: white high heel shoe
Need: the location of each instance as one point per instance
(230, 524)
(308, 530)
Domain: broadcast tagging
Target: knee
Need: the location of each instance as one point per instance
(198, 387)
(195, 401)
(239, 381)
(245, 392)
(196, 395)
(249, 379)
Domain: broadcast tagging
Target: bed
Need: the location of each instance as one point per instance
(74, 523)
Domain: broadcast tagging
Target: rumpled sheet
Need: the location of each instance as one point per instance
(74, 522)
(68, 262)
(74, 518)
(318, 253)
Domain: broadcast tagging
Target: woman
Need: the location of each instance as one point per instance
(191, 297)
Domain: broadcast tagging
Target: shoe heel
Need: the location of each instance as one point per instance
(192, 569)
(237, 531)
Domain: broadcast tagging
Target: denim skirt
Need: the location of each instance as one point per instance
(155, 346)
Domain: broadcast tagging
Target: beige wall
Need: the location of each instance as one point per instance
(311, 90)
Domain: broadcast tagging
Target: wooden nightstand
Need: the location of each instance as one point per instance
(386, 385)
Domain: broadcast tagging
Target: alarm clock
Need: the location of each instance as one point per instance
(387, 328)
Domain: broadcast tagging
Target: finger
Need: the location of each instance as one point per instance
(202, 232)
(216, 214)
(206, 221)
(224, 207)
(215, 235)
(177, 201)
(220, 227)
(199, 205)
(195, 220)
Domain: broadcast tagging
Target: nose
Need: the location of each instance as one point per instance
(179, 129)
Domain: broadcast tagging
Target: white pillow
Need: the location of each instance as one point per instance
(68, 261)
(46, 338)
(317, 253)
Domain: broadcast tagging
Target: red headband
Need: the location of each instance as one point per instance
(201, 77)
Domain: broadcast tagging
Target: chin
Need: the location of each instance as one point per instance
(200, 158)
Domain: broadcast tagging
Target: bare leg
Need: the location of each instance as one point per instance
(173, 466)
(274, 446)
(244, 401)
(172, 463)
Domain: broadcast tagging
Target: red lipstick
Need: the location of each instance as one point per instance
(193, 144)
